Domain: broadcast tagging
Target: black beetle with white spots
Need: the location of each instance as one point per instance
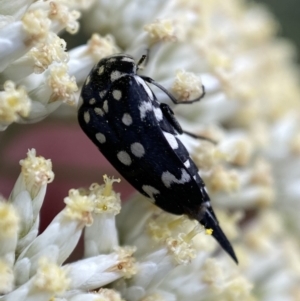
(137, 134)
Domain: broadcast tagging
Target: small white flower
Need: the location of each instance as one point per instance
(14, 104)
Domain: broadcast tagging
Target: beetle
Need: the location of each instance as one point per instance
(138, 136)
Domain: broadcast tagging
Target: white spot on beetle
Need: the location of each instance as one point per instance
(158, 114)
(187, 163)
(126, 119)
(127, 59)
(137, 149)
(168, 178)
(99, 111)
(102, 93)
(171, 140)
(87, 80)
(86, 116)
(207, 204)
(101, 70)
(117, 94)
(145, 86)
(115, 75)
(100, 137)
(124, 158)
(150, 190)
(105, 106)
(92, 101)
(144, 108)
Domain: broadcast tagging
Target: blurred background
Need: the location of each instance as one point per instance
(288, 15)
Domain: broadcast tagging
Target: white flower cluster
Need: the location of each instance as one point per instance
(32, 265)
(252, 173)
